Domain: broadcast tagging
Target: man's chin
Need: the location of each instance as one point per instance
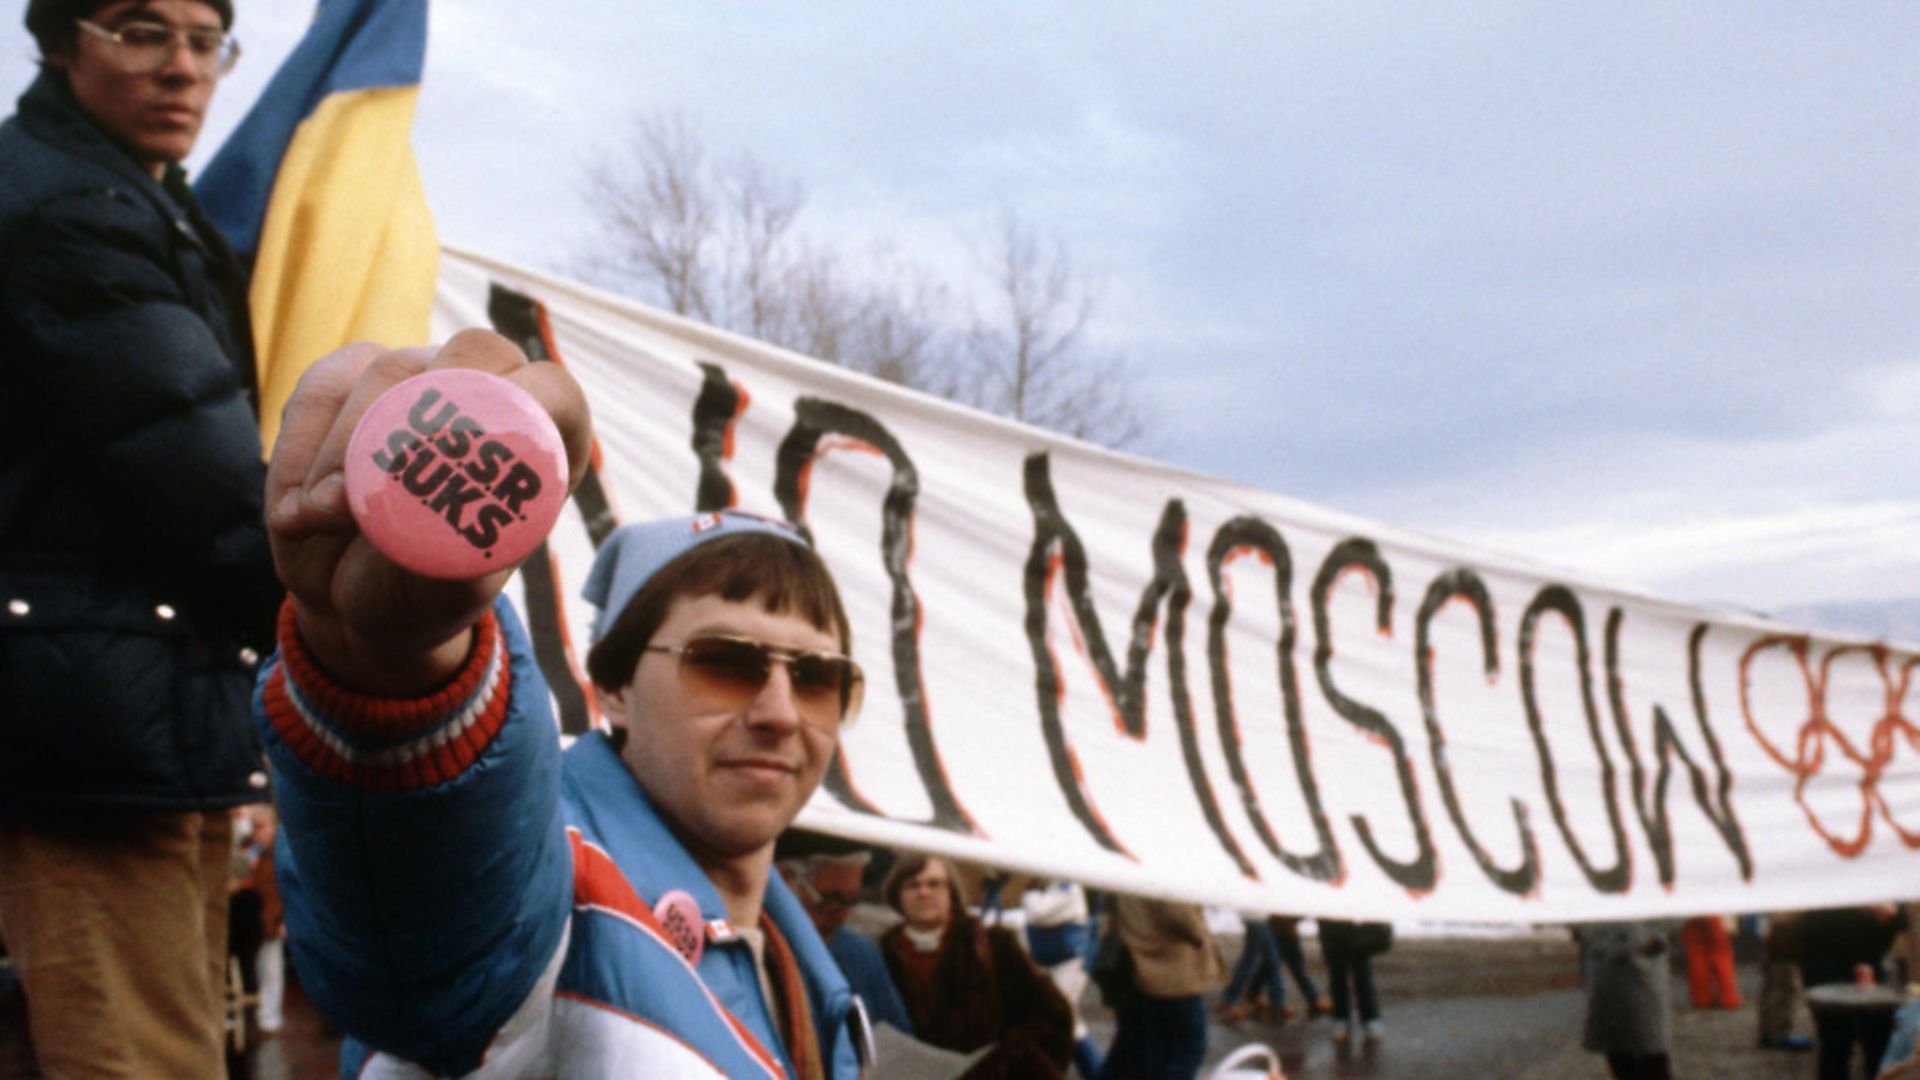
(169, 148)
(737, 839)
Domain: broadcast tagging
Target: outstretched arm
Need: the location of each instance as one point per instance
(422, 862)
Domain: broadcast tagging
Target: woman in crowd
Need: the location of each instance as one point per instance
(1709, 949)
(1160, 1015)
(1623, 966)
(969, 986)
(1057, 940)
(1835, 943)
(1286, 938)
(1255, 988)
(1349, 949)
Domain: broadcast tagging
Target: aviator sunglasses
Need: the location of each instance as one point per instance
(826, 687)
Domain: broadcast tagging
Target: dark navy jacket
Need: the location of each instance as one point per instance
(136, 591)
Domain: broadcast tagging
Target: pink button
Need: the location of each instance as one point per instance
(679, 916)
(456, 473)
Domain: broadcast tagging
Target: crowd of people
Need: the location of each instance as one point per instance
(468, 893)
(1849, 967)
(938, 964)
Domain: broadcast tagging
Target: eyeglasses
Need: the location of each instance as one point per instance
(148, 46)
(822, 898)
(731, 671)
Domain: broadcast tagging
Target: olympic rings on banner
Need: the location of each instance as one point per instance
(1809, 756)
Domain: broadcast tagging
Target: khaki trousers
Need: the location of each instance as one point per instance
(117, 923)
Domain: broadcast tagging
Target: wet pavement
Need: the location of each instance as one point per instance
(1506, 1007)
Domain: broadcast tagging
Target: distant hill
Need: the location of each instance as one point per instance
(1888, 620)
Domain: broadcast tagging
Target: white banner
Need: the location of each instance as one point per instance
(1087, 665)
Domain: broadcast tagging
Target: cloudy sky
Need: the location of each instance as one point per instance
(1633, 290)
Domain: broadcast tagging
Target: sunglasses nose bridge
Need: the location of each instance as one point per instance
(774, 701)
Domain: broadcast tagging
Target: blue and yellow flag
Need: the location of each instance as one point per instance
(318, 189)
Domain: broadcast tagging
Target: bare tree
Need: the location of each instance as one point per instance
(758, 248)
(715, 240)
(1031, 358)
(658, 201)
(884, 316)
(719, 240)
(898, 333)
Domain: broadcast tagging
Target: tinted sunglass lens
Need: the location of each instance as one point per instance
(740, 663)
(814, 674)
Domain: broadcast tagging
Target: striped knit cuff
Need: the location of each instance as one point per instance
(387, 744)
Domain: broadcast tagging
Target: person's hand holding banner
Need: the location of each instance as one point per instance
(370, 620)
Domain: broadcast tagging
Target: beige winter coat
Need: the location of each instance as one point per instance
(1174, 954)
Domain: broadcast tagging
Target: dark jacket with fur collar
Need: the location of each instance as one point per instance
(984, 990)
(136, 592)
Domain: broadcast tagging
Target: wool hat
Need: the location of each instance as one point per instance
(629, 558)
(51, 21)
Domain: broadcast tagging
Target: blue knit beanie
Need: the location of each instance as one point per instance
(629, 558)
